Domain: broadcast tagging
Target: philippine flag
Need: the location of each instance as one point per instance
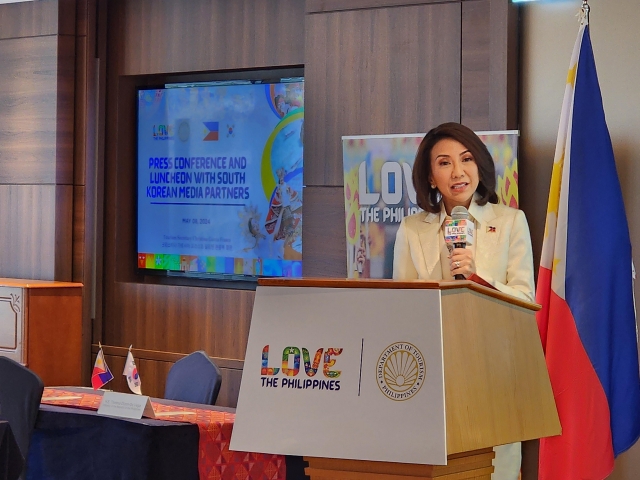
(587, 322)
(101, 373)
(131, 373)
(212, 131)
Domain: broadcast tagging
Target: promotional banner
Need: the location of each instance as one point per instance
(378, 192)
(344, 373)
(220, 178)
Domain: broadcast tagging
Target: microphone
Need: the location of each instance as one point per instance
(459, 231)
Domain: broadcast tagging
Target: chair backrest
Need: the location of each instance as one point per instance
(20, 395)
(194, 378)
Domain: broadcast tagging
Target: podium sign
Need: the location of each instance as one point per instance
(344, 373)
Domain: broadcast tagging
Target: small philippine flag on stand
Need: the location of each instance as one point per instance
(101, 373)
(131, 372)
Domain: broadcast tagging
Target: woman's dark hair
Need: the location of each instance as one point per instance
(429, 198)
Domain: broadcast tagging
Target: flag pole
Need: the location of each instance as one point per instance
(585, 12)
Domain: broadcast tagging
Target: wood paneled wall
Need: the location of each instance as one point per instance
(490, 43)
(90, 76)
(48, 148)
(37, 61)
(371, 67)
(399, 74)
(68, 73)
(376, 67)
(150, 41)
(204, 35)
(156, 366)
(67, 136)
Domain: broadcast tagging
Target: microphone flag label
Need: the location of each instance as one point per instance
(459, 231)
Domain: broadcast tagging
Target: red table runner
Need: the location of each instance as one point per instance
(215, 460)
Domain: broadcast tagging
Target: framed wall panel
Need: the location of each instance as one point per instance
(180, 319)
(324, 235)
(36, 231)
(324, 6)
(377, 71)
(37, 18)
(171, 36)
(36, 110)
(489, 65)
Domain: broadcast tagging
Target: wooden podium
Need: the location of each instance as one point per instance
(41, 327)
(496, 386)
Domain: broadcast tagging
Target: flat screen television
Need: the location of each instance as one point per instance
(219, 179)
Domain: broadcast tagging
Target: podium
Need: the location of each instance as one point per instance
(427, 377)
(41, 328)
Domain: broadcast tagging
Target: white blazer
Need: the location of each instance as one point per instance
(503, 253)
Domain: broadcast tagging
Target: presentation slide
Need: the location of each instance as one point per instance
(220, 179)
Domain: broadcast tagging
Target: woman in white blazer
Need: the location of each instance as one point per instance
(454, 168)
(503, 256)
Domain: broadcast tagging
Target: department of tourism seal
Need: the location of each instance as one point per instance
(400, 371)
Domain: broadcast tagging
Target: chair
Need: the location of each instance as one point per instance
(194, 378)
(20, 395)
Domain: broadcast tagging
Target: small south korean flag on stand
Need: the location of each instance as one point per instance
(131, 372)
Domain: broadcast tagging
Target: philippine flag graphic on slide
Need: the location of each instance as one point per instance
(212, 131)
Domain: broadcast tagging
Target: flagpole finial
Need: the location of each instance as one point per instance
(584, 12)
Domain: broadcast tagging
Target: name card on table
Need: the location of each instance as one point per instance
(126, 405)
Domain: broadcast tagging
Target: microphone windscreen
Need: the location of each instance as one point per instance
(459, 213)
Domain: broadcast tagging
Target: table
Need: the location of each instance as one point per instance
(11, 461)
(192, 441)
(69, 442)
